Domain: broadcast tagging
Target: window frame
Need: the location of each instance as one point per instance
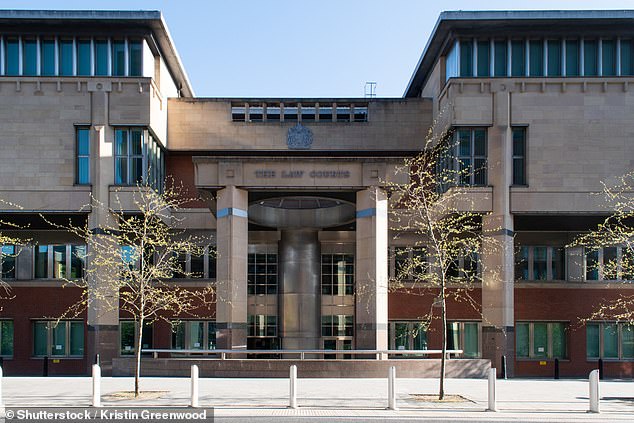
(187, 334)
(329, 281)
(600, 264)
(50, 327)
(530, 260)
(601, 325)
(78, 156)
(457, 158)
(523, 156)
(148, 325)
(549, 344)
(50, 261)
(461, 335)
(410, 251)
(14, 256)
(413, 327)
(2, 321)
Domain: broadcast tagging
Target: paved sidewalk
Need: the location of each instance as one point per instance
(349, 399)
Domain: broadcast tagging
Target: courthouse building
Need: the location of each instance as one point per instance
(293, 189)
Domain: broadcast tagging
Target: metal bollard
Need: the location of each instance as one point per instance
(391, 388)
(503, 369)
(601, 373)
(293, 387)
(492, 377)
(45, 369)
(556, 368)
(594, 391)
(194, 402)
(96, 385)
(97, 359)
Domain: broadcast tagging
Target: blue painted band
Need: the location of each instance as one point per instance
(366, 213)
(230, 211)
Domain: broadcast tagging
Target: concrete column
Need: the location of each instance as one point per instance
(300, 289)
(232, 253)
(497, 256)
(371, 270)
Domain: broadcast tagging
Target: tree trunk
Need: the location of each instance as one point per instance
(443, 312)
(137, 367)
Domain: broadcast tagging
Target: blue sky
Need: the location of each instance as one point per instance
(285, 48)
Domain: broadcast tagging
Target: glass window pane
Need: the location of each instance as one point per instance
(554, 58)
(121, 142)
(518, 171)
(608, 57)
(78, 261)
(147, 336)
(451, 69)
(126, 331)
(211, 335)
(12, 57)
(466, 58)
(627, 64)
(401, 336)
(41, 261)
(77, 338)
(627, 341)
(101, 57)
(559, 340)
(470, 346)
(29, 57)
(539, 263)
(536, 58)
(518, 58)
(521, 340)
(521, 264)
(592, 265)
(118, 58)
(59, 261)
(136, 142)
(58, 339)
(65, 57)
(592, 340)
(196, 335)
(8, 261)
(610, 340)
(6, 337)
(559, 263)
(572, 58)
(420, 337)
(83, 141)
(121, 170)
(540, 340)
(453, 335)
(590, 58)
(178, 336)
(136, 58)
(47, 57)
(40, 336)
(479, 142)
(484, 58)
(83, 57)
(610, 263)
(500, 65)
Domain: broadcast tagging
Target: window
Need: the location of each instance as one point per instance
(410, 262)
(325, 113)
(407, 335)
(128, 334)
(290, 112)
(135, 58)
(471, 155)
(337, 274)
(65, 57)
(590, 58)
(464, 336)
(59, 261)
(540, 263)
(82, 149)
(519, 156)
(337, 325)
(262, 275)
(451, 62)
(605, 263)
(47, 57)
(308, 113)
(518, 58)
(360, 113)
(572, 58)
(84, 60)
(343, 113)
(466, 266)
(118, 58)
(6, 338)
(608, 57)
(8, 261)
(536, 58)
(101, 57)
(554, 58)
(12, 56)
(273, 112)
(484, 58)
(256, 113)
(193, 335)
(29, 57)
(262, 326)
(466, 58)
(610, 340)
(627, 62)
(128, 156)
(500, 66)
(541, 340)
(58, 339)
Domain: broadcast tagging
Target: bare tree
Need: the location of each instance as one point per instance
(617, 230)
(132, 259)
(433, 203)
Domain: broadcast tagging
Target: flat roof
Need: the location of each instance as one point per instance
(450, 21)
(151, 19)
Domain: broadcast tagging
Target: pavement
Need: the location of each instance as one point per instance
(349, 400)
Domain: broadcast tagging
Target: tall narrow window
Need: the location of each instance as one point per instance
(464, 336)
(6, 338)
(83, 57)
(466, 58)
(128, 156)
(484, 58)
(471, 155)
(627, 62)
(572, 58)
(608, 57)
(501, 58)
(101, 57)
(451, 62)
(590, 58)
(536, 58)
(11, 56)
(519, 156)
(47, 57)
(41, 261)
(135, 57)
(65, 57)
(518, 58)
(554, 58)
(118, 58)
(8, 261)
(82, 167)
(29, 57)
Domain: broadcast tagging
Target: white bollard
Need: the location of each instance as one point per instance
(293, 387)
(492, 378)
(96, 385)
(594, 391)
(391, 388)
(194, 389)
